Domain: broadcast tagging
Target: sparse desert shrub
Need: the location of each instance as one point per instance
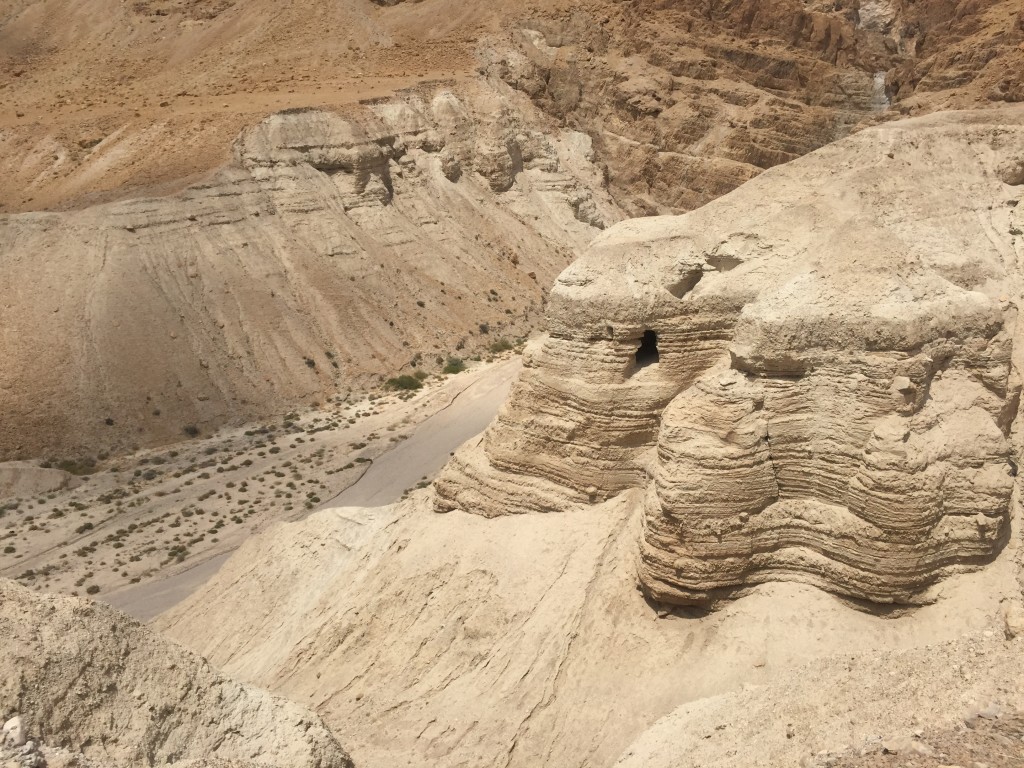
(501, 345)
(191, 430)
(454, 365)
(404, 382)
(85, 466)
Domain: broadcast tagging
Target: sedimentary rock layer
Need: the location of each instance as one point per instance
(685, 100)
(814, 377)
(331, 253)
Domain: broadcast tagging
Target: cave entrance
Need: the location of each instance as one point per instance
(647, 353)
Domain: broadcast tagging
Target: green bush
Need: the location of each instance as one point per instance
(454, 365)
(501, 345)
(405, 381)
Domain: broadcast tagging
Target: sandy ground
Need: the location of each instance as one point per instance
(146, 530)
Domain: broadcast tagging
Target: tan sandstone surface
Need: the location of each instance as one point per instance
(522, 641)
(753, 501)
(836, 382)
(833, 404)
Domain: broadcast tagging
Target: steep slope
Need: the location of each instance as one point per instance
(84, 677)
(190, 306)
(332, 253)
(826, 362)
(120, 99)
(687, 100)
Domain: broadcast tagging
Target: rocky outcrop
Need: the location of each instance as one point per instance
(85, 678)
(686, 101)
(22, 478)
(814, 378)
(332, 252)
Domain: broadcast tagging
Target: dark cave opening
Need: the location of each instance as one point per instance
(647, 353)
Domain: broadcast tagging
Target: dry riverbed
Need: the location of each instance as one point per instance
(153, 516)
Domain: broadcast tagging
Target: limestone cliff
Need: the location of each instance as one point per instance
(815, 378)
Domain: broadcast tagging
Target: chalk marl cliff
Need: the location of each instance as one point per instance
(829, 387)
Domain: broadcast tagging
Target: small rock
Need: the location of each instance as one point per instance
(906, 746)
(1013, 620)
(14, 732)
(902, 384)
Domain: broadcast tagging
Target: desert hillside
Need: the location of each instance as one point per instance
(526, 384)
(110, 99)
(206, 197)
(795, 517)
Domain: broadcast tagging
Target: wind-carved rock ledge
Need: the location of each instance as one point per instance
(814, 377)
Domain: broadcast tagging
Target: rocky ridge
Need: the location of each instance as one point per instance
(685, 101)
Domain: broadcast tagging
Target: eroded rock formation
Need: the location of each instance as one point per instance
(332, 252)
(687, 100)
(836, 383)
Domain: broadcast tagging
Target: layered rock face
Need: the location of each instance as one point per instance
(813, 377)
(86, 678)
(685, 101)
(332, 252)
